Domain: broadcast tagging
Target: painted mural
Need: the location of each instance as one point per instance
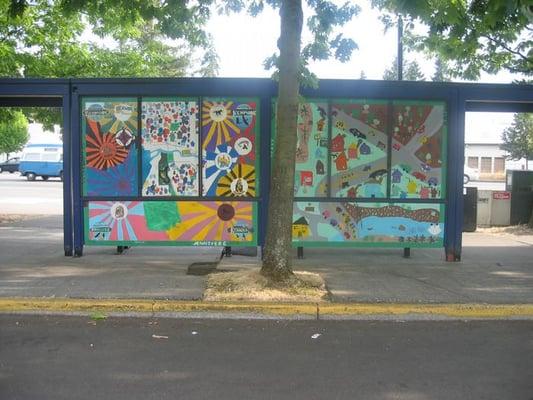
(311, 168)
(169, 129)
(368, 224)
(109, 132)
(418, 155)
(209, 223)
(229, 148)
(359, 144)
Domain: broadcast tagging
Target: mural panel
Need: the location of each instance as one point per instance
(229, 147)
(359, 146)
(109, 133)
(169, 147)
(311, 169)
(368, 224)
(418, 150)
(210, 223)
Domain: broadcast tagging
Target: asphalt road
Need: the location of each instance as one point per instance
(119, 358)
(20, 196)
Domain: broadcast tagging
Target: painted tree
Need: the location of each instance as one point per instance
(13, 130)
(471, 35)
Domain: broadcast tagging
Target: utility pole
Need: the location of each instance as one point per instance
(400, 48)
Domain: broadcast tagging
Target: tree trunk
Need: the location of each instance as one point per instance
(278, 244)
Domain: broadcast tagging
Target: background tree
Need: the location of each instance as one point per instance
(442, 72)
(411, 71)
(473, 36)
(13, 130)
(518, 138)
(46, 39)
(518, 142)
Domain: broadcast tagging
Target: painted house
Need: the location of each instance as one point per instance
(337, 144)
(341, 162)
(300, 228)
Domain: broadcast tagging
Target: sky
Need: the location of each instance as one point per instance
(242, 44)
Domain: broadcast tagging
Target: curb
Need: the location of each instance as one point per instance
(294, 310)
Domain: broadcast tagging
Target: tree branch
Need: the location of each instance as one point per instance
(504, 46)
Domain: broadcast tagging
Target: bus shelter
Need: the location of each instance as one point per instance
(186, 162)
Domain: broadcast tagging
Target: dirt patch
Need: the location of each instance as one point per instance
(514, 230)
(250, 285)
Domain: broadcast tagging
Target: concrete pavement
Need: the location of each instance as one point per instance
(496, 270)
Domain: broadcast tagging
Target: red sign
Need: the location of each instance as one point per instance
(501, 195)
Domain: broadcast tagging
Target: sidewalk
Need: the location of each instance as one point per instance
(496, 270)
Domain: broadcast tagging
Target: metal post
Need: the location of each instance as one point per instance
(76, 172)
(399, 57)
(406, 252)
(300, 253)
(67, 165)
(227, 251)
(454, 196)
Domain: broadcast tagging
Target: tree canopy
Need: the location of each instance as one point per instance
(472, 35)
(518, 138)
(13, 130)
(46, 38)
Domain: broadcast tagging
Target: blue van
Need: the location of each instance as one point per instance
(44, 160)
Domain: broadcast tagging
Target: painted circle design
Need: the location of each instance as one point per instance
(119, 211)
(225, 212)
(218, 113)
(243, 116)
(124, 137)
(239, 187)
(223, 161)
(243, 146)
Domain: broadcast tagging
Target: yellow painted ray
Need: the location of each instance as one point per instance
(220, 230)
(209, 135)
(227, 136)
(202, 235)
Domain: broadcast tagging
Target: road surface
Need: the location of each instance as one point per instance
(127, 358)
(20, 196)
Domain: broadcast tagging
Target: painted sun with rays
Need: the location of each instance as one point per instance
(240, 181)
(120, 221)
(102, 150)
(214, 221)
(218, 124)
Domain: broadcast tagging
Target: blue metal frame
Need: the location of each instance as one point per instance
(459, 98)
(47, 92)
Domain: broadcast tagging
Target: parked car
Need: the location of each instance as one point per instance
(11, 165)
(470, 174)
(44, 160)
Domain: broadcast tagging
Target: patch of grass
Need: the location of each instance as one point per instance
(250, 285)
(98, 316)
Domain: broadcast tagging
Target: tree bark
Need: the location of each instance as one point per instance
(278, 243)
